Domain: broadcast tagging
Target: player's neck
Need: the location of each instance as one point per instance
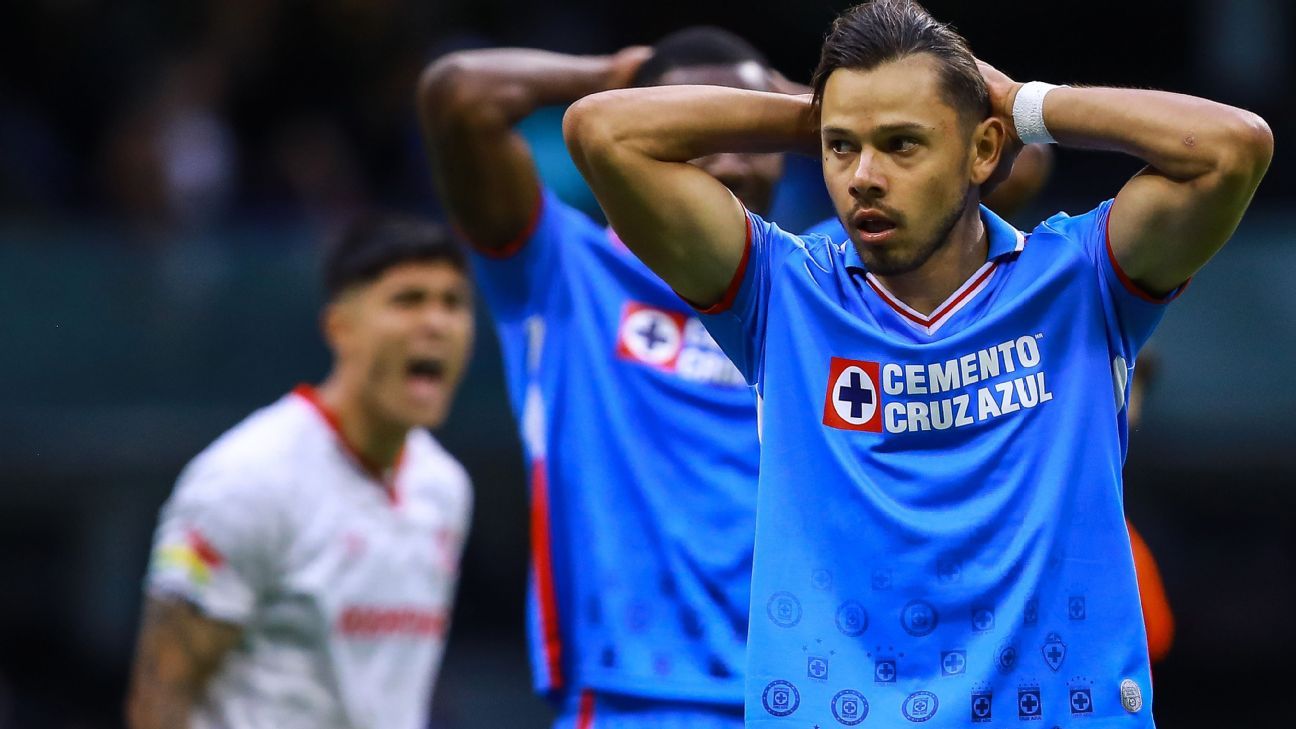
(377, 440)
(932, 283)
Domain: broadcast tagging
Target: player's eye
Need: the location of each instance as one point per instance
(840, 146)
(903, 144)
(408, 297)
(454, 300)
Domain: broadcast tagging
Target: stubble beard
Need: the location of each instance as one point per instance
(882, 263)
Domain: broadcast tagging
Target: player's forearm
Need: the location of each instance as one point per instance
(682, 123)
(179, 651)
(1183, 137)
(504, 85)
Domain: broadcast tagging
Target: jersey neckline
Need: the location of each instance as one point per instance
(370, 469)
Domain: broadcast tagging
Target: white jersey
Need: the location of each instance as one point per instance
(343, 585)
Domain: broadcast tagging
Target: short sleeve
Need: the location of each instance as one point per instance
(215, 544)
(518, 280)
(738, 321)
(1134, 313)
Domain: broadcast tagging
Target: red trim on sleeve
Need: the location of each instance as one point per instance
(371, 469)
(585, 718)
(542, 570)
(735, 283)
(510, 249)
(1126, 281)
(203, 548)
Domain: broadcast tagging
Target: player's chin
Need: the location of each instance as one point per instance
(420, 407)
(893, 259)
(423, 415)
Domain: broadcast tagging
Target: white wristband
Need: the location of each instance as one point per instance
(1028, 113)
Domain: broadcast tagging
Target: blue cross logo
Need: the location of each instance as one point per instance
(651, 336)
(1081, 701)
(885, 672)
(1054, 651)
(817, 668)
(1028, 702)
(981, 707)
(855, 394)
(1076, 607)
(1031, 614)
(983, 619)
(953, 662)
(881, 579)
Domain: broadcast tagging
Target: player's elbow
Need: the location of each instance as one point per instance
(453, 92)
(589, 130)
(1247, 148)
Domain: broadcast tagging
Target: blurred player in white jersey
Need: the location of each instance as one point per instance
(304, 569)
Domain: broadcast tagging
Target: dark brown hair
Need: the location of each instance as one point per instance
(873, 33)
(373, 243)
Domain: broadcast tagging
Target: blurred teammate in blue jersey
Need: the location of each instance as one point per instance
(640, 433)
(940, 535)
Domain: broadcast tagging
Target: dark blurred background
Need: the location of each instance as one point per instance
(167, 171)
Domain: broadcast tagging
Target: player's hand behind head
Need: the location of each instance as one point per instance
(1002, 91)
(625, 64)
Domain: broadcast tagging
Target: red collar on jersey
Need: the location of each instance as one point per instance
(373, 470)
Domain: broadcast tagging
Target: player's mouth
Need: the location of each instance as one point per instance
(874, 226)
(425, 376)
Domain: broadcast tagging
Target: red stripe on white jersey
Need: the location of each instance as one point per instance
(374, 471)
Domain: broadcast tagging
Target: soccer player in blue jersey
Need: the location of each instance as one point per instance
(940, 537)
(640, 433)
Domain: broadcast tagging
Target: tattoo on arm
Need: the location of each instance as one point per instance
(179, 650)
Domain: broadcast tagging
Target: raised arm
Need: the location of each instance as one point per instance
(634, 146)
(468, 103)
(1204, 160)
(178, 652)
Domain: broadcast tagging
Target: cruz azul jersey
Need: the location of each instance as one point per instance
(642, 448)
(832, 228)
(343, 587)
(941, 538)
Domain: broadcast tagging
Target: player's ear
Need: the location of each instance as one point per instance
(988, 140)
(335, 324)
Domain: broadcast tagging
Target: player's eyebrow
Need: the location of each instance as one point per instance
(884, 129)
(904, 127)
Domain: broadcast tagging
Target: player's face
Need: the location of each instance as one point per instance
(407, 335)
(900, 166)
(750, 177)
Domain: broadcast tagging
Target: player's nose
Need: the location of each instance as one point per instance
(868, 180)
(436, 320)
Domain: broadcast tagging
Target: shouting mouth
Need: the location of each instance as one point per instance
(873, 226)
(425, 375)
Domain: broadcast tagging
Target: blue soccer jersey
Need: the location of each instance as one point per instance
(831, 228)
(940, 536)
(642, 445)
